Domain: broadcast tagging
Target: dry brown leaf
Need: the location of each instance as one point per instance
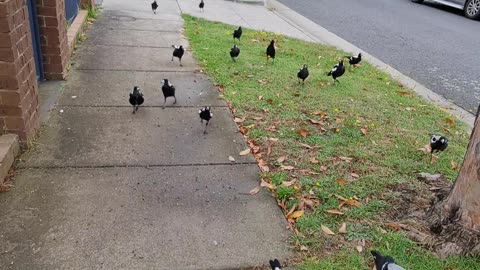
(260, 97)
(269, 150)
(450, 122)
(342, 181)
(425, 149)
(338, 120)
(302, 132)
(262, 81)
(434, 159)
(313, 160)
(221, 88)
(359, 249)
(364, 130)
(343, 228)
(289, 183)
(258, 118)
(291, 210)
(454, 166)
(271, 128)
(353, 202)
(273, 139)
(266, 184)
(334, 212)
(287, 167)
(393, 226)
(303, 248)
(281, 159)
(346, 159)
(306, 146)
(265, 168)
(326, 230)
(315, 122)
(239, 120)
(231, 158)
(323, 168)
(339, 197)
(245, 152)
(354, 175)
(309, 202)
(405, 94)
(296, 214)
(254, 191)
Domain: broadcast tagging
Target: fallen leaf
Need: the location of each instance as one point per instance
(296, 214)
(308, 202)
(303, 248)
(302, 132)
(291, 210)
(245, 152)
(426, 149)
(306, 145)
(271, 128)
(313, 160)
(264, 183)
(265, 168)
(262, 81)
(260, 97)
(231, 158)
(289, 183)
(342, 181)
(346, 159)
(321, 114)
(405, 94)
(343, 228)
(239, 120)
(326, 230)
(393, 226)
(258, 118)
(338, 120)
(351, 202)
(364, 130)
(434, 159)
(334, 212)
(254, 191)
(450, 122)
(269, 150)
(281, 159)
(323, 168)
(359, 249)
(315, 122)
(288, 168)
(354, 175)
(273, 139)
(220, 88)
(454, 166)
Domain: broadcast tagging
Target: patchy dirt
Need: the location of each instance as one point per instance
(8, 181)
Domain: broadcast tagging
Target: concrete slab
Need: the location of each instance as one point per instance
(101, 57)
(164, 6)
(137, 218)
(117, 37)
(112, 88)
(112, 19)
(152, 136)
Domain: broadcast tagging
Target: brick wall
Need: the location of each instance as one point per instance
(53, 38)
(18, 84)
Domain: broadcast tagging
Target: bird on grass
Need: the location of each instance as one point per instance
(178, 52)
(237, 34)
(271, 50)
(275, 264)
(154, 7)
(337, 71)
(384, 263)
(168, 91)
(437, 144)
(353, 61)
(205, 114)
(136, 98)
(303, 74)
(234, 52)
(201, 5)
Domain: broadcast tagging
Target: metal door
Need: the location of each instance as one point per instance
(37, 52)
(71, 9)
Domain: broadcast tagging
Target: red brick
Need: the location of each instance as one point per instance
(46, 11)
(6, 40)
(7, 7)
(6, 24)
(6, 55)
(9, 97)
(11, 111)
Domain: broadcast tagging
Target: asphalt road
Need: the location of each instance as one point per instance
(433, 44)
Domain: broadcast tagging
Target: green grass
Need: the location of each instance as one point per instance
(397, 123)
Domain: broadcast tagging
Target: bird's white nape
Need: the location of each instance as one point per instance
(277, 268)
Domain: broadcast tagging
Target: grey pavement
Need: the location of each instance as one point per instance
(103, 188)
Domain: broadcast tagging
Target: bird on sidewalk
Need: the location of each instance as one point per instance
(303, 74)
(337, 71)
(384, 263)
(168, 91)
(437, 144)
(154, 7)
(136, 98)
(205, 114)
(201, 5)
(237, 34)
(275, 264)
(353, 61)
(234, 52)
(178, 52)
(271, 50)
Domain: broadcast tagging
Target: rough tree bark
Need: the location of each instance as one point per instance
(456, 218)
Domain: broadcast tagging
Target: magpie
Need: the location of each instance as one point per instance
(234, 52)
(275, 264)
(168, 91)
(178, 52)
(136, 98)
(237, 33)
(271, 50)
(352, 60)
(201, 5)
(384, 263)
(154, 7)
(205, 114)
(302, 74)
(437, 144)
(337, 71)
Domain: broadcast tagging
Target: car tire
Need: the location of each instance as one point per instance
(472, 9)
(417, 1)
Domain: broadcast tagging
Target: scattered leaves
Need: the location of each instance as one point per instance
(453, 165)
(245, 152)
(342, 181)
(295, 214)
(239, 120)
(405, 94)
(289, 183)
(306, 146)
(315, 122)
(326, 230)
(288, 168)
(281, 159)
(393, 226)
(334, 212)
(343, 228)
(359, 249)
(231, 158)
(302, 132)
(364, 130)
(254, 191)
(354, 175)
(313, 160)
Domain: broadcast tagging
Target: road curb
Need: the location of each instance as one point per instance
(322, 35)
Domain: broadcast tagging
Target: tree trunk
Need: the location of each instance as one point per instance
(457, 217)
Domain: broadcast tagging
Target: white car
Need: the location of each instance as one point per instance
(471, 8)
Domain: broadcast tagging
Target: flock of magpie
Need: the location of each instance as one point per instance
(437, 143)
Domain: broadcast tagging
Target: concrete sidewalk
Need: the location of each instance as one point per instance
(106, 189)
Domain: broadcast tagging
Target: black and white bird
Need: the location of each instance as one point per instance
(178, 52)
(168, 91)
(136, 98)
(437, 144)
(154, 7)
(234, 52)
(271, 50)
(384, 263)
(201, 5)
(303, 74)
(337, 71)
(352, 60)
(205, 114)
(275, 264)
(237, 34)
